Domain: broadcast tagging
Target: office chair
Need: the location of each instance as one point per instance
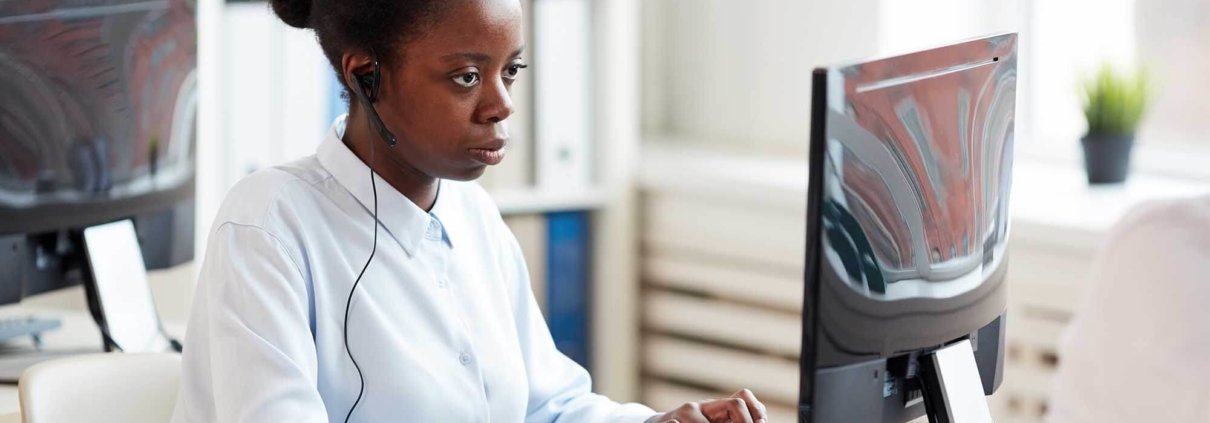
(1138, 347)
(116, 387)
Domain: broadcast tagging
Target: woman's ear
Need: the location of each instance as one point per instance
(356, 64)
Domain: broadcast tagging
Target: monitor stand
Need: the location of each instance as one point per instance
(953, 391)
(119, 297)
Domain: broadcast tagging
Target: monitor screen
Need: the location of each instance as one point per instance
(911, 164)
(97, 116)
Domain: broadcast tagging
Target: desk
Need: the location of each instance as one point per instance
(171, 289)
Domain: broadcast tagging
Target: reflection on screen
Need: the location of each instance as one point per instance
(916, 186)
(99, 99)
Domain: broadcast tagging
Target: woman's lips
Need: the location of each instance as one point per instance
(488, 156)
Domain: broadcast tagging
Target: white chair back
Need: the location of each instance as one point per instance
(101, 388)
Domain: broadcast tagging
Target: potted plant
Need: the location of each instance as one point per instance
(1114, 103)
(153, 153)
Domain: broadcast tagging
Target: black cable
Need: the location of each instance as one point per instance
(176, 345)
(373, 249)
(107, 338)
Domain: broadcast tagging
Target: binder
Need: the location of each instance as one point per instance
(563, 93)
(567, 288)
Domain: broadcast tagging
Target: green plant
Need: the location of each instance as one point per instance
(1115, 100)
(153, 145)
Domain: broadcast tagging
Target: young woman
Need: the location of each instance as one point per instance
(333, 292)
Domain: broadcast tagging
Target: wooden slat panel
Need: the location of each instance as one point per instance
(744, 235)
(734, 324)
(664, 396)
(723, 368)
(1033, 342)
(742, 259)
(1013, 408)
(1027, 381)
(1057, 299)
(752, 286)
(1049, 278)
(1036, 332)
(1051, 263)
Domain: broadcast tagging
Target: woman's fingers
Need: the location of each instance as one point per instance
(755, 407)
(733, 409)
(742, 407)
(691, 412)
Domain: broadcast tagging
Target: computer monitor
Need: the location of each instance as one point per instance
(96, 125)
(910, 175)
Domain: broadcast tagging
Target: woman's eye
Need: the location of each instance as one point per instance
(467, 80)
(512, 71)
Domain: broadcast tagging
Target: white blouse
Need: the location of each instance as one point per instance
(443, 324)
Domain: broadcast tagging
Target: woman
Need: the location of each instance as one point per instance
(303, 312)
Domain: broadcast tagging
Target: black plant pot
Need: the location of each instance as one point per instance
(1107, 157)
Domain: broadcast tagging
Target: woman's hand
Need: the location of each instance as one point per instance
(743, 407)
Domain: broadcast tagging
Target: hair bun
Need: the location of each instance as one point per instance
(296, 13)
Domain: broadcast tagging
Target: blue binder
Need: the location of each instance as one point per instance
(567, 278)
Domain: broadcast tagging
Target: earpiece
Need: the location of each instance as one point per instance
(365, 87)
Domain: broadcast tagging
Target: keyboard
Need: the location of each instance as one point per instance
(12, 327)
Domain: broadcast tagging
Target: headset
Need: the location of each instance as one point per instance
(365, 88)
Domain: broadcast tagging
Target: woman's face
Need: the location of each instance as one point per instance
(447, 98)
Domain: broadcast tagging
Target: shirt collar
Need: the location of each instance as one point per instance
(405, 221)
(447, 211)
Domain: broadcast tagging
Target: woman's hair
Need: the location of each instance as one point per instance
(380, 26)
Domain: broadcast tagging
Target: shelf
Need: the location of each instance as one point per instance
(675, 165)
(519, 201)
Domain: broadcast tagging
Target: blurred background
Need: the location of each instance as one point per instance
(660, 200)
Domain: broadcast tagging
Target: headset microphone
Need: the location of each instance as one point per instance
(365, 87)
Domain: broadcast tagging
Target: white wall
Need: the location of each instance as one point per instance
(738, 73)
(741, 70)
(1173, 38)
(919, 24)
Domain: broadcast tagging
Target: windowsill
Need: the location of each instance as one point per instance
(1053, 203)
(1179, 158)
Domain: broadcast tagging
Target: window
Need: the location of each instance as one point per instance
(722, 72)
